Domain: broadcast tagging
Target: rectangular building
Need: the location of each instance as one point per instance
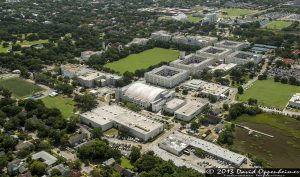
(110, 116)
(223, 67)
(294, 102)
(233, 45)
(166, 76)
(190, 110)
(171, 106)
(161, 36)
(178, 142)
(217, 53)
(193, 63)
(200, 41)
(241, 58)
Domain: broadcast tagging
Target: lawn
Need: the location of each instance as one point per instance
(111, 132)
(23, 44)
(281, 151)
(20, 88)
(194, 19)
(238, 12)
(63, 103)
(277, 25)
(270, 93)
(143, 60)
(125, 163)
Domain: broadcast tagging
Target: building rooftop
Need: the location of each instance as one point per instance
(140, 91)
(44, 157)
(295, 98)
(224, 67)
(208, 147)
(174, 103)
(190, 107)
(192, 59)
(109, 113)
(167, 71)
(194, 84)
(214, 50)
(243, 55)
(91, 75)
(230, 44)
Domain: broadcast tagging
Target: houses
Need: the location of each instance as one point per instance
(77, 139)
(45, 157)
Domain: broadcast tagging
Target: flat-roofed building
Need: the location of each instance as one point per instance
(161, 36)
(223, 67)
(110, 116)
(166, 76)
(193, 63)
(137, 41)
(233, 45)
(294, 102)
(200, 41)
(241, 58)
(176, 143)
(171, 106)
(217, 53)
(190, 110)
(144, 95)
(207, 88)
(86, 55)
(88, 77)
(45, 157)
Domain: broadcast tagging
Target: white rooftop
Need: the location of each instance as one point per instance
(190, 107)
(174, 103)
(45, 157)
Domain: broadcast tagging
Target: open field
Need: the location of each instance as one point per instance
(125, 163)
(194, 19)
(23, 44)
(111, 132)
(238, 12)
(270, 93)
(20, 88)
(277, 25)
(283, 150)
(63, 103)
(143, 60)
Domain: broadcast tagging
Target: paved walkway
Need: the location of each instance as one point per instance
(252, 130)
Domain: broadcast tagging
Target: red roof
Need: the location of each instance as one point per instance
(296, 52)
(288, 61)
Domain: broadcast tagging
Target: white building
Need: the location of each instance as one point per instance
(87, 54)
(88, 77)
(180, 17)
(193, 63)
(241, 58)
(110, 116)
(166, 76)
(217, 53)
(173, 105)
(190, 110)
(178, 142)
(295, 101)
(44, 157)
(137, 41)
(223, 67)
(233, 45)
(161, 36)
(210, 18)
(200, 41)
(146, 96)
(207, 88)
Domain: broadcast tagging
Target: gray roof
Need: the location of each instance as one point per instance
(45, 157)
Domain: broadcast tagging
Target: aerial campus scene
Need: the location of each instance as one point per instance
(149, 88)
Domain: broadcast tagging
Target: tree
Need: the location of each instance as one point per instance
(55, 172)
(252, 101)
(194, 125)
(38, 168)
(185, 92)
(86, 102)
(97, 132)
(135, 154)
(225, 107)
(199, 153)
(240, 90)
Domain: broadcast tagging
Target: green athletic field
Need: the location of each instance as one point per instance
(143, 60)
(63, 103)
(238, 12)
(20, 88)
(277, 25)
(270, 93)
(194, 19)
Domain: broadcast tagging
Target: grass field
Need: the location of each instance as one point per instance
(270, 93)
(20, 88)
(112, 132)
(238, 12)
(277, 25)
(283, 150)
(125, 163)
(23, 44)
(64, 104)
(143, 60)
(194, 19)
